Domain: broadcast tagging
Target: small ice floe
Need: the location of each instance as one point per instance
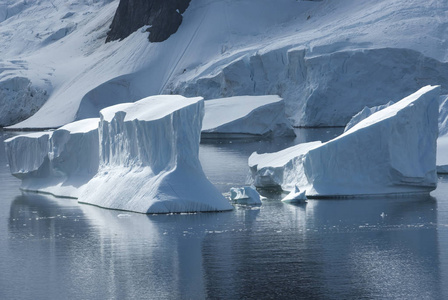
(383, 215)
(295, 196)
(245, 195)
(122, 216)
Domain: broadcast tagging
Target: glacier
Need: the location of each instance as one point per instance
(149, 159)
(245, 116)
(393, 151)
(57, 162)
(337, 56)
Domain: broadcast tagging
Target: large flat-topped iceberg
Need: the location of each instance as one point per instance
(393, 151)
(57, 162)
(149, 159)
(245, 116)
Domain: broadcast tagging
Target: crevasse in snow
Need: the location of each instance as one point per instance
(393, 151)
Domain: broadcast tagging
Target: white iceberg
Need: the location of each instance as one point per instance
(365, 113)
(149, 159)
(246, 116)
(295, 196)
(245, 195)
(57, 162)
(391, 152)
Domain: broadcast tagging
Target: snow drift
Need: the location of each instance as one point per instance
(149, 159)
(391, 152)
(245, 116)
(57, 162)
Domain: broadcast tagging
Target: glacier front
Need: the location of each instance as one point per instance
(393, 151)
(149, 159)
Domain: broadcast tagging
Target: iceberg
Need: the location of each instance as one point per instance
(246, 116)
(149, 159)
(393, 151)
(245, 195)
(365, 113)
(56, 162)
(295, 196)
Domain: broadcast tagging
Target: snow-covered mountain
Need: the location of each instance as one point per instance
(327, 59)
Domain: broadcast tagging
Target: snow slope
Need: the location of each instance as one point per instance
(244, 116)
(326, 59)
(393, 151)
(149, 159)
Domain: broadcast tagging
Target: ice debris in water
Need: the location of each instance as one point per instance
(295, 196)
(245, 195)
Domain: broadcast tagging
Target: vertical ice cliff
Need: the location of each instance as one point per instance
(57, 162)
(320, 89)
(392, 151)
(149, 159)
(19, 97)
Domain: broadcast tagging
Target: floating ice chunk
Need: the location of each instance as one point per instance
(149, 159)
(245, 116)
(295, 196)
(123, 216)
(391, 152)
(245, 195)
(57, 162)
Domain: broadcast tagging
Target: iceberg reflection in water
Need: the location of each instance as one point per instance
(357, 248)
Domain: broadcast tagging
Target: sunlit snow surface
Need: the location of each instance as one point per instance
(391, 152)
(326, 59)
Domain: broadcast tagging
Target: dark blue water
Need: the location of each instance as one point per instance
(393, 248)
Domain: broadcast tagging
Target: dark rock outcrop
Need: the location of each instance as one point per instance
(164, 17)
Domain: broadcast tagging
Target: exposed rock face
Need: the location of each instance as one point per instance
(163, 16)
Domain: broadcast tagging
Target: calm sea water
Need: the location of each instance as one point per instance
(394, 248)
